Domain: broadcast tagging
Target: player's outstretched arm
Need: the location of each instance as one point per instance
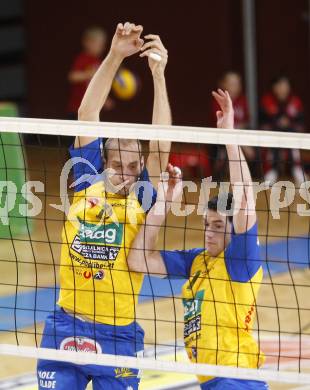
(143, 256)
(159, 150)
(126, 42)
(240, 176)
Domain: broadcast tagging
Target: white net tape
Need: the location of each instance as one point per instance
(152, 364)
(196, 135)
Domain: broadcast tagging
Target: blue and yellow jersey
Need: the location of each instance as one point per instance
(219, 300)
(97, 236)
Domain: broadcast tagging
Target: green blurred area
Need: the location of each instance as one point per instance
(12, 169)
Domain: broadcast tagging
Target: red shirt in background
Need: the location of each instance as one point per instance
(284, 116)
(241, 109)
(82, 62)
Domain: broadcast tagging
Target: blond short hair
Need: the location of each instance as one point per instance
(130, 145)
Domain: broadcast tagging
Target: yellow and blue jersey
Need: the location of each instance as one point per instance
(94, 278)
(219, 300)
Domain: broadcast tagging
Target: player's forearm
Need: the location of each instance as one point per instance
(240, 175)
(161, 116)
(99, 88)
(161, 107)
(142, 256)
(238, 166)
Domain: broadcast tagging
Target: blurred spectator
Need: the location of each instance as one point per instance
(8, 109)
(193, 160)
(281, 110)
(231, 81)
(94, 41)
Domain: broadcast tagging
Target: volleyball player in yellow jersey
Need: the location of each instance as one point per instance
(223, 278)
(98, 295)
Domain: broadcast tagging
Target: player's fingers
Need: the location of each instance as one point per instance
(174, 171)
(147, 53)
(220, 95)
(169, 168)
(154, 37)
(150, 44)
(164, 176)
(139, 42)
(126, 28)
(158, 45)
(228, 98)
(177, 173)
(120, 27)
(171, 172)
(219, 114)
(218, 92)
(138, 28)
(130, 28)
(217, 97)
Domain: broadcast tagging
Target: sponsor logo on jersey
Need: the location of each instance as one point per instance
(192, 313)
(91, 264)
(110, 234)
(87, 274)
(192, 307)
(194, 352)
(93, 251)
(98, 242)
(80, 344)
(99, 275)
(192, 325)
(124, 373)
(93, 202)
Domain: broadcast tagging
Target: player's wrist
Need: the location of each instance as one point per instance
(116, 56)
(159, 76)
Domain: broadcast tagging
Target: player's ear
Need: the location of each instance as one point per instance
(228, 225)
(142, 164)
(104, 157)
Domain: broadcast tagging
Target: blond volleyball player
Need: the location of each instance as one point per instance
(223, 278)
(98, 296)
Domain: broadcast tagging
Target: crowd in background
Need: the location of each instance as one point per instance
(280, 109)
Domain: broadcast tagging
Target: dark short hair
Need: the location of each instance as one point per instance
(222, 202)
(279, 77)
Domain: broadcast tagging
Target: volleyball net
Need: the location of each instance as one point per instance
(76, 265)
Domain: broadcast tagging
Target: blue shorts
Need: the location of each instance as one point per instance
(63, 331)
(236, 384)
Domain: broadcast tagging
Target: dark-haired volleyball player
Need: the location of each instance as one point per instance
(223, 279)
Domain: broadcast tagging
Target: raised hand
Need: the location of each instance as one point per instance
(127, 40)
(225, 117)
(155, 45)
(170, 189)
